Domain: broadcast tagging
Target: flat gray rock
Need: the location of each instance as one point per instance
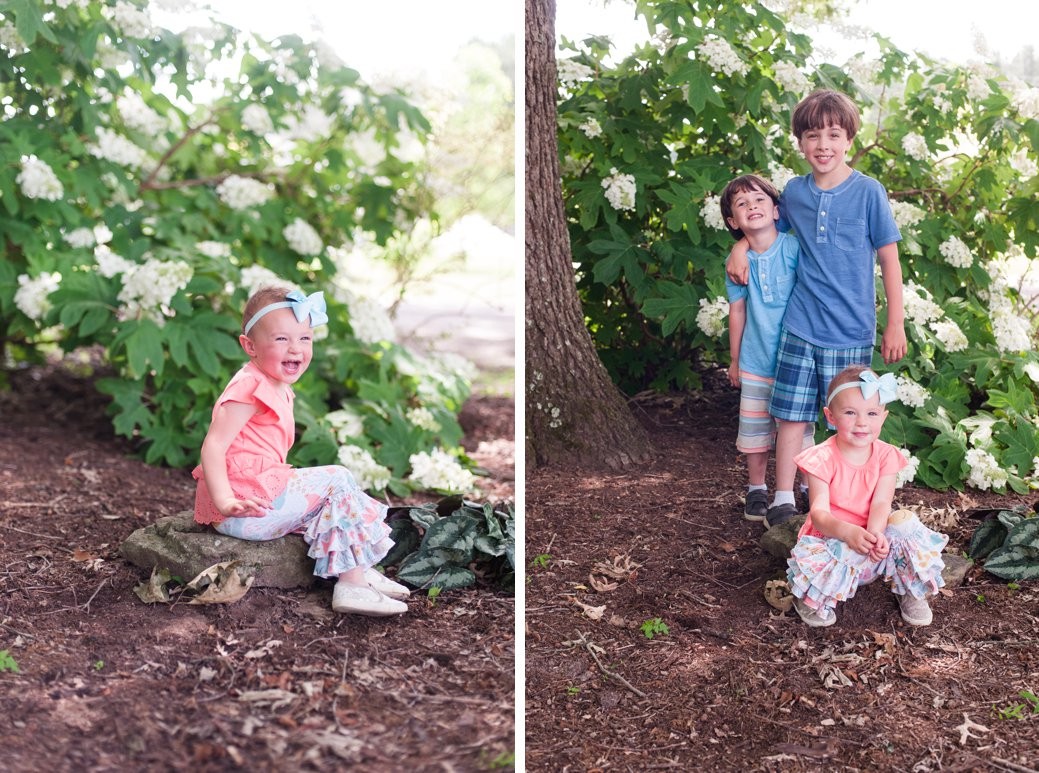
(186, 548)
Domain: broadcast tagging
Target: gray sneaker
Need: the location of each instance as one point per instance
(813, 618)
(756, 505)
(915, 611)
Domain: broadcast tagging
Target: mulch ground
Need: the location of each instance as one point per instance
(276, 681)
(649, 643)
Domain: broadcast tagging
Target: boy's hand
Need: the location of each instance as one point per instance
(734, 374)
(893, 345)
(737, 267)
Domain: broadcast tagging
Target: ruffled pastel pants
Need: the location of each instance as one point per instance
(344, 527)
(825, 571)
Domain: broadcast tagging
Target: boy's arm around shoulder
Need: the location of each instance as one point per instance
(737, 265)
(893, 343)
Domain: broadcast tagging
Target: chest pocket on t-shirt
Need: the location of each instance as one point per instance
(782, 286)
(851, 234)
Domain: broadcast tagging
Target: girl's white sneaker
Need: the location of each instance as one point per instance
(365, 600)
(385, 585)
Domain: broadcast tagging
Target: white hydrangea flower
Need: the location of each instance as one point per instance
(911, 393)
(257, 120)
(1013, 333)
(440, 471)
(138, 116)
(620, 190)
(949, 335)
(302, 238)
(920, 307)
(956, 253)
(711, 212)
(977, 87)
(712, 315)
(591, 128)
(790, 78)
(985, 472)
(213, 249)
(347, 424)
(10, 40)
(721, 56)
(31, 295)
(369, 321)
(370, 475)
(150, 287)
(370, 150)
(779, 176)
(243, 192)
(570, 71)
(38, 181)
(915, 146)
(130, 20)
(907, 473)
(1025, 99)
(109, 264)
(1025, 167)
(906, 215)
(255, 277)
(118, 149)
(311, 125)
(423, 418)
(1032, 371)
(80, 238)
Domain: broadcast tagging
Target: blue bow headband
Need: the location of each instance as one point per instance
(302, 306)
(871, 384)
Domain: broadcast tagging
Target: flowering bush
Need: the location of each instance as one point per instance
(138, 216)
(708, 97)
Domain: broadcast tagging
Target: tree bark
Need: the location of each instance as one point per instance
(575, 415)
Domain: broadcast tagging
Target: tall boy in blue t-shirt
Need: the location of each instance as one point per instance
(844, 225)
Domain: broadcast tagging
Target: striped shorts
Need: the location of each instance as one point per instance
(803, 374)
(757, 429)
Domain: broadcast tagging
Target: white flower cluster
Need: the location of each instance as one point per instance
(302, 238)
(1013, 333)
(80, 238)
(911, 393)
(38, 181)
(423, 418)
(214, 250)
(369, 149)
(779, 176)
(907, 473)
(985, 472)
(369, 321)
(255, 277)
(620, 190)
(591, 128)
(257, 120)
(790, 78)
(138, 116)
(721, 56)
(949, 335)
(712, 315)
(31, 295)
(1025, 167)
(370, 475)
(977, 87)
(906, 215)
(919, 304)
(1025, 99)
(570, 71)
(150, 287)
(117, 149)
(109, 264)
(347, 424)
(243, 192)
(865, 71)
(915, 146)
(1032, 371)
(440, 471)
(956, 253)
(711, 212)
(130, 20)
(313, 125)
(10, 40)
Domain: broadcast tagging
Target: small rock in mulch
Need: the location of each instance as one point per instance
(186, 548)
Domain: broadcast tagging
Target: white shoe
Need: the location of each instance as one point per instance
(813, 618)
(915, 611)
(385, 585)
(365, 600)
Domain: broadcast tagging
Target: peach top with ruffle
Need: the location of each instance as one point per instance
(256, 466)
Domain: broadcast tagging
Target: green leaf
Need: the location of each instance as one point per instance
(423, 570)
(987, 537)
(1015, 562)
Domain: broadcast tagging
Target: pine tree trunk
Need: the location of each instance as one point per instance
(574, 414)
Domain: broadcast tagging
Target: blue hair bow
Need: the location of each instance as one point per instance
(886, 386)
(302, 306)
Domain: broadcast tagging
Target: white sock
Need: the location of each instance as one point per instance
(783, 498)
(757, 487)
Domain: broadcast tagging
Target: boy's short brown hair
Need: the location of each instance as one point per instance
(743, 184)
(823, 108)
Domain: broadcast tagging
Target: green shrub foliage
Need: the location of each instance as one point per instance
(1008, 543)
(648, 142)
(152, 180)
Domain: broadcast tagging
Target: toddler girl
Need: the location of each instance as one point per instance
(851, 537)
(246, 489)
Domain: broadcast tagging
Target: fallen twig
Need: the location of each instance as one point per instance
(613, 675)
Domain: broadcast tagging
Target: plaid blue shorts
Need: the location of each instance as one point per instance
(803, 374)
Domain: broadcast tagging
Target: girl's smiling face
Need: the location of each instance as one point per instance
(280, 345)
(858, 420)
